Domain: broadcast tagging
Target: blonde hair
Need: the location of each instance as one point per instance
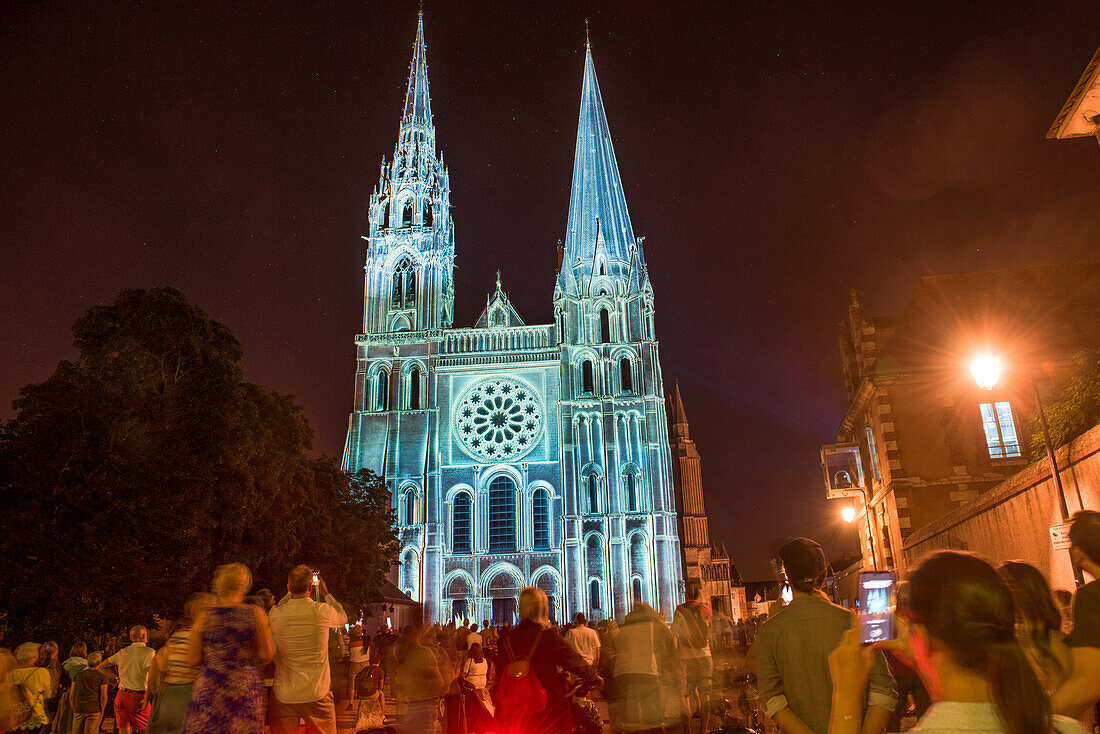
(534, 605)
(232, 578)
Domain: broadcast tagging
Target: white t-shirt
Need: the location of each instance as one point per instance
(301, 628)
(950, 717)
(133, 665)
(472, 639)
(476, 673)
(585, 641)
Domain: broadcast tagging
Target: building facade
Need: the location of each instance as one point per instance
(710, 566)
(930, 439)
(516, 454)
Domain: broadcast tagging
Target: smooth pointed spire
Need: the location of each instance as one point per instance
(597, 192)
(676, 414)
(418, 103)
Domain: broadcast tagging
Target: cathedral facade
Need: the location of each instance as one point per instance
(517, 454)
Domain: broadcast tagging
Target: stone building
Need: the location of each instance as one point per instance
(1080, 115)
(929, 438)
(702, 561)
(518, 454)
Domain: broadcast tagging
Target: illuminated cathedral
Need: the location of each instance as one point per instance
(517, 454)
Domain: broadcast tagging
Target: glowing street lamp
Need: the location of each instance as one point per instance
(986, 371)
(848, 514)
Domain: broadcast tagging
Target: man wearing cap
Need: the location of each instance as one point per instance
(793, 646)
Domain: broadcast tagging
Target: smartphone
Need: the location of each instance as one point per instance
(316, 578)
(877, 604)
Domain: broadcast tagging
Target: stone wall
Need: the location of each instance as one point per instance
(1012, 520)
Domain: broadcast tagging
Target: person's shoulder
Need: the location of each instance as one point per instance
(1066, 725)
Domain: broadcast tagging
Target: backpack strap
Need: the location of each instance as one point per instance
(535, 644)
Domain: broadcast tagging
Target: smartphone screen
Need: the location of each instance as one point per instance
(876, 606)
(316, 578)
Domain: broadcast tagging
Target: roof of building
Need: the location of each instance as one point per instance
(1080, 115)
(418, 103)
(1026, 316)
(390, 594)
(498, 311)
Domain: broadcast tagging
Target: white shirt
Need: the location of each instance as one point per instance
(473, 639)
(301, 628)
(585, 642)
(949, 717)
(133, 665)
(476, 673)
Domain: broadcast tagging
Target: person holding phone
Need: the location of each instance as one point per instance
(792, 653)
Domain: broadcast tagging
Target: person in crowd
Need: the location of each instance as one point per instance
(584, 641)
(488, 636)
(422, 677)
(1081, 690)
(132, 664)
(77, 661)
(88, 697)
(171, 676)
(691, 628)
(475, 637)
(267, 598)
(545, 653)
(1038, 623)
(358, 659)
(959, 628)
(227, 639)
(369, 684)
(384, 643)
(793, 646)
(32, 688)
(478, 705)
(645, 652)
(301, 626)
(49, 657)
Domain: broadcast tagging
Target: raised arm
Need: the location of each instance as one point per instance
(265, 644)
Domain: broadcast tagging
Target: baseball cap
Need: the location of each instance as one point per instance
(804, 561)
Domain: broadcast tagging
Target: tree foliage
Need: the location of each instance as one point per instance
(1074, 409)
(131, 473)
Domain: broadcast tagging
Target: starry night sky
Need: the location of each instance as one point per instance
(774, 155)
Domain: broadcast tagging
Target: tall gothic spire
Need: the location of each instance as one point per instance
(597, 193)
(418, 104)
(676, 415)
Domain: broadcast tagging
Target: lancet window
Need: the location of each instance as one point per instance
(404, 285)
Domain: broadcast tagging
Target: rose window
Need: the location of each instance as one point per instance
(498, 419)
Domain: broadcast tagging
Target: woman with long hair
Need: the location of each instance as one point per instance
(961, 633)
(1038, 623)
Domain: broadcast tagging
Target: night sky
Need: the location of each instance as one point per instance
(774, 155)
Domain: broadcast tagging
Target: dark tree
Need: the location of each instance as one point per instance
(1074, 409)
(131, 473)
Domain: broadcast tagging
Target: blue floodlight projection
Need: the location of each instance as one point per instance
(497, 426)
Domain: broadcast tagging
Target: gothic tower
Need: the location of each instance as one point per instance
(410, 248)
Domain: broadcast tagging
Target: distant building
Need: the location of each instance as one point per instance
(702, 561)
(1080, 115)
(929, 439)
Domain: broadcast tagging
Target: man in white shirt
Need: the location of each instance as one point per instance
(132, 663)
(301, 628)
(584, 640)
(473, 638)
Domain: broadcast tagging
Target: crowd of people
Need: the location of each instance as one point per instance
(978, 648)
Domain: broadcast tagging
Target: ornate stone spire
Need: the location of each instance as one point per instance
(676, 415)
(418, 103)
(599, 223)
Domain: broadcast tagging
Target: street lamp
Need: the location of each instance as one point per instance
(848, 514)
(986, 371)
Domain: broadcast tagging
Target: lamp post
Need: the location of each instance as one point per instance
(848, 514)
(987, 371)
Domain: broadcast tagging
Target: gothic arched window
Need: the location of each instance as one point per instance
(404, 284)
(540, 522)
(636, 589)
(588, 378)
(605, 326)
(592, 485)
(594, 601)
(631, 490)
(408, 507)
(427, 213)
(561, 326)
(502, 515)
(381, 390)
(626, 375)
(462, 524)
(414, 389)
(407, 215)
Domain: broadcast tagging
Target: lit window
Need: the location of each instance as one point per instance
(502, 516)
(1000, 430)
(460, 539)
(541, 521)
(872, 453)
